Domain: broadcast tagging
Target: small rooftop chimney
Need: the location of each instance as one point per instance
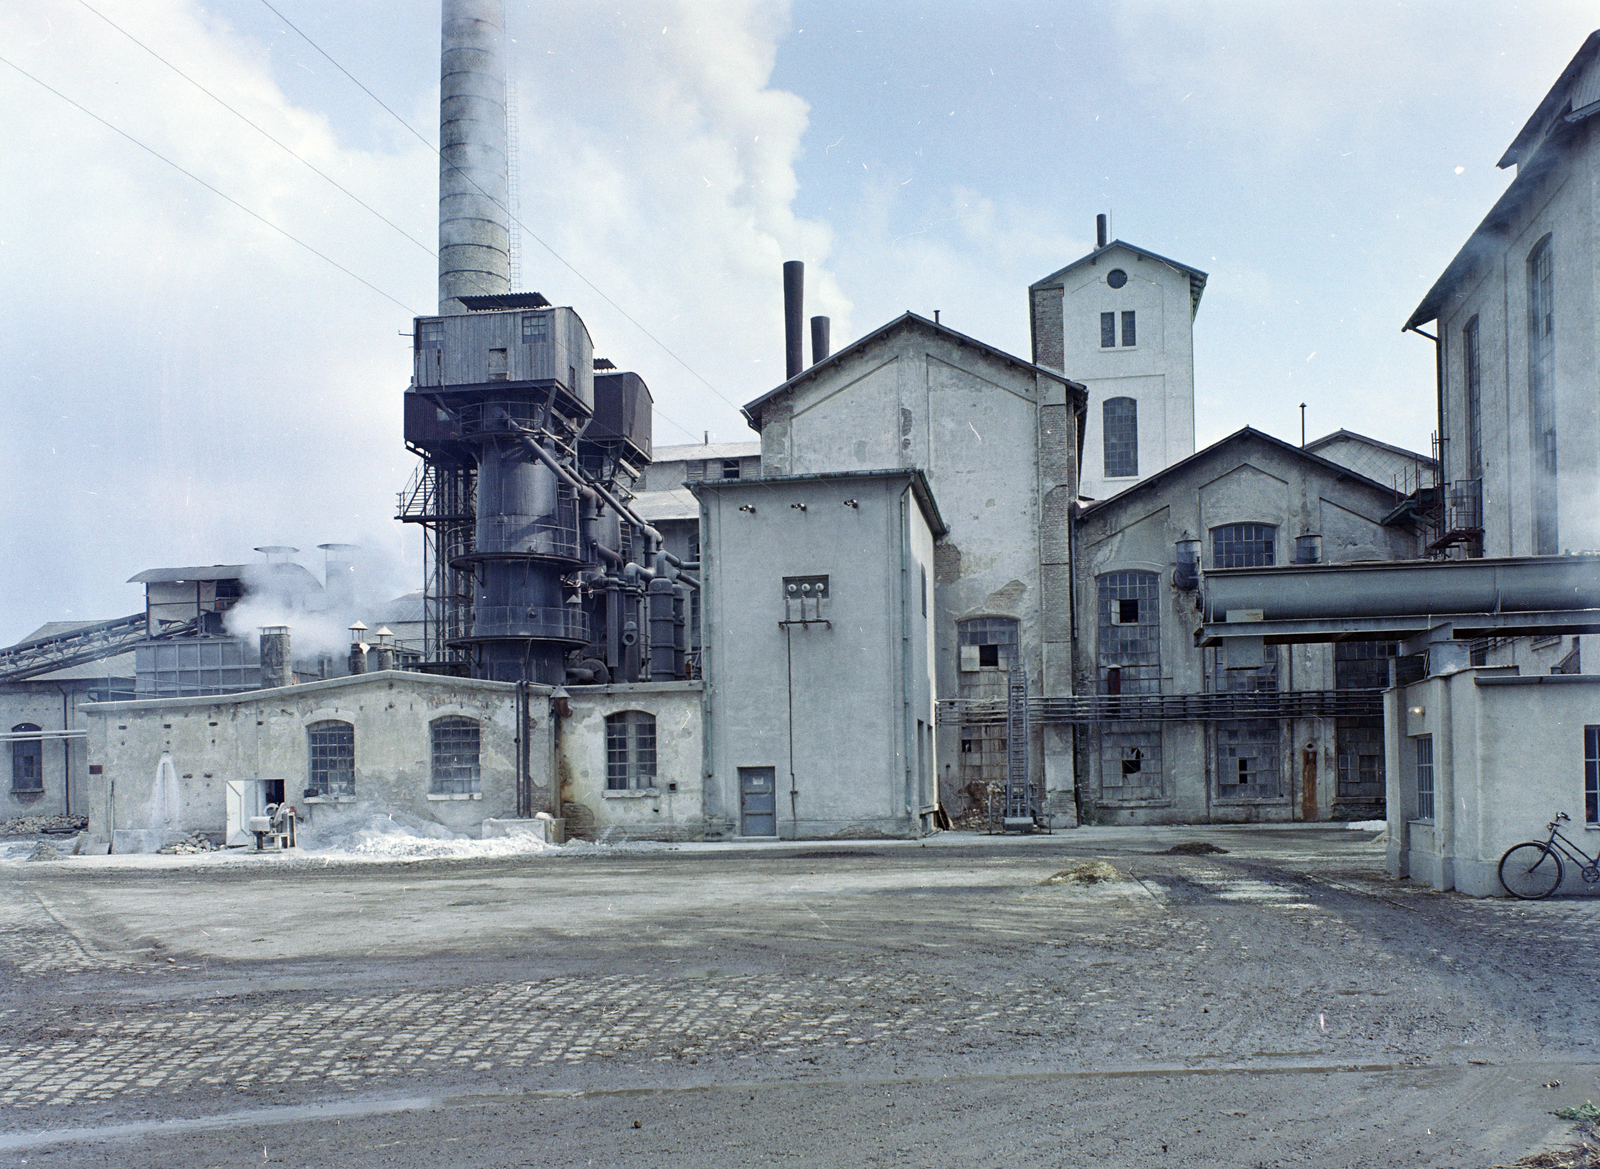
(794, 287)
(819, 339)
(1099, 231)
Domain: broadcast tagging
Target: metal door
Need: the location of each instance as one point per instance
(758, 801)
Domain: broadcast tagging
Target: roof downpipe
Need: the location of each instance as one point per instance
(819, 339)
(1099, 231)
(794, 287)
(474, 220)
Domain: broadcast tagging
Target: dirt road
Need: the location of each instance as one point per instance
(854, 1005)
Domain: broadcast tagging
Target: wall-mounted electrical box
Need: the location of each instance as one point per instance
(805, 598)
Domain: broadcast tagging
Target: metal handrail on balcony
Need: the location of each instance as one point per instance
(1094, 708)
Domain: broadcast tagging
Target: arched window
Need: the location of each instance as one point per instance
(1119, 418)
(332, 746)
(1542, 397)
(630, 750)
(1243, 546)
(455, 756)
(27, 761)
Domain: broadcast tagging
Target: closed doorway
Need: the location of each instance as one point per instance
(758, 801)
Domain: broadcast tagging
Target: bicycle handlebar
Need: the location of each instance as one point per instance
(1560, 816)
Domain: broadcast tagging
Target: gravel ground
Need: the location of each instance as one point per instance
(973, 1001)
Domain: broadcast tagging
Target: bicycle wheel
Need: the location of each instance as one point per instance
(1530, 871)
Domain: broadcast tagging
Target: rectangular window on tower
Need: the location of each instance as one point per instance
(1130, 334)
(1108, 330)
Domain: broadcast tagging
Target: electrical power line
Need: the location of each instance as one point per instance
(220, 194)
(290, 150)
(531, 234)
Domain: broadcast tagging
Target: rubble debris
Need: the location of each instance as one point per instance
(1193, 848)
(1583, 1155)
(50, 825)
(186, 845)
(1083, 873)
(44, 851)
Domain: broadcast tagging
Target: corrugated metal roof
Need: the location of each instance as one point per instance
(675, 503)
(710, 450)
(504, 300)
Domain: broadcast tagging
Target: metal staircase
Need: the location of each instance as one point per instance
(1022, 812)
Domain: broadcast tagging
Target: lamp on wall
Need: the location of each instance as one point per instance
(1186, 569)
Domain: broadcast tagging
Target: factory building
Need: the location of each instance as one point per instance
(1499, 729)
(946, 581)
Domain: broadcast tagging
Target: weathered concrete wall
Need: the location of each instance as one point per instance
(64, 761)
(674, 809)
(842, 736)
(1244, 479)
(261, 735)
(1563, 206)
(1157, 372)
(1490, 789)
(999, 444)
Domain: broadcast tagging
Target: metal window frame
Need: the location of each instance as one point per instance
(1116, 739)
(1119, 437)
(1130, 329)
(1132, 650)
(1245, 545)
(1591, 775)
(26, 780)
(631, 756)
(455, 748)
(1263, 733)
(322, 749)
(1423, 776)
(1108, 330)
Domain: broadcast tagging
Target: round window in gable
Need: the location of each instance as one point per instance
(1116, 278)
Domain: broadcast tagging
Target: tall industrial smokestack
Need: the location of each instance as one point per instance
(819, 339)
(474, 223)
(794, 296)
(1099, 231)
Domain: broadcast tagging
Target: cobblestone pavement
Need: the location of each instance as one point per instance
(1291, 956)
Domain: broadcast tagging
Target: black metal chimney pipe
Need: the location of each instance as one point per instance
(1099, 231)
(794, 287)
(819, 339)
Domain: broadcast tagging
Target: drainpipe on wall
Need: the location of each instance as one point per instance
(524, 802)
(66, 754)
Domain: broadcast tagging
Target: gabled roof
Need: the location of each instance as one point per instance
(1197, 278)
(1557, 103)
(1248, 433)
(1535, 152)
(907, 320)
(1351, 435)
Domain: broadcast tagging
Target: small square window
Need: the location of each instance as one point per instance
(430, 335)
(535, 328)
(730, 468)
(989, 655)
(1128, 612)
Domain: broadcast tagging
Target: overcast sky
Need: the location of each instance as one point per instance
(182, 382)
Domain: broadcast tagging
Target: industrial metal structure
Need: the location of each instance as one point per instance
(536, 568)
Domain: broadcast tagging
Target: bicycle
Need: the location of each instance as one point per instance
(1533, 869)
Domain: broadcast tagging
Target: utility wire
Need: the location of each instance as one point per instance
(531, 235)
(256, 128)
(209, 187)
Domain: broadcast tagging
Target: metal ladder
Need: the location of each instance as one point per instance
(1022, 800)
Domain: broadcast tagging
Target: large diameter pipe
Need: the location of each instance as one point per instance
(794, 297)
(474, 220)
(1527, 584)
(819, 339)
